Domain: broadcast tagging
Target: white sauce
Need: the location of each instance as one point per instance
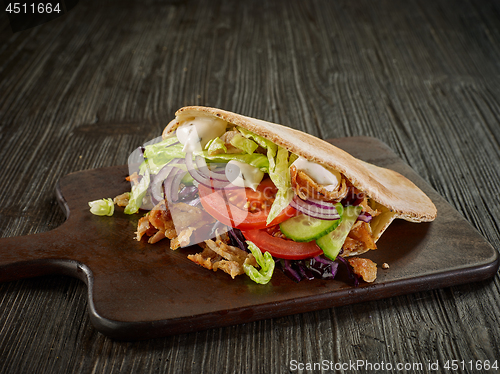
(243, 175)
(197, 132)
(329, 180)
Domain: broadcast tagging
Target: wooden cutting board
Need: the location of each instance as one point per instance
(140, 291)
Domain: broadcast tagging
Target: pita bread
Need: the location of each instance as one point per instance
(394, 195)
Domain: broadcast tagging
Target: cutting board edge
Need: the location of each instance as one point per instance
(142, 330)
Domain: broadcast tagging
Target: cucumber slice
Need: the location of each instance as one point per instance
(303, 228)
(332, 243)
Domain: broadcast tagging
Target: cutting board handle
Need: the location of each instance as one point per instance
(38, 254)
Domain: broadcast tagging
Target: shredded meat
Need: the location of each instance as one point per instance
(122, 200)
(161, 219)
(359, 240)
(352, 247)
(305, 187)
(186, 215)
(356, 197)
(206, 258)
(134, 178)
(368, 209)
(143, 227)
(159, 235)
(182, 239)
(361, 231)
(219, 255)
(364, 267)
(227, 251)
(162, 222)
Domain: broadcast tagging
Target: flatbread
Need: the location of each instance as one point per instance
(395, 195)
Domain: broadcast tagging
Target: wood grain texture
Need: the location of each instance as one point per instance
(84, 90)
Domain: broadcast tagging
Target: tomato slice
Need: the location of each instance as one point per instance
(282, 248)
(243, 208)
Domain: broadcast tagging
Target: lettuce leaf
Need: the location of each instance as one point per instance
(255, 159)
(292, 158)
(263, 142)
(275, 162)
(214, 145)
(246, 145)
(278, 170)
(103, 207)
(280, 176)
(139, 190)
(266, 263)
(158, 154)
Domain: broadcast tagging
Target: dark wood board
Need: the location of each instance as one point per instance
(139, 291)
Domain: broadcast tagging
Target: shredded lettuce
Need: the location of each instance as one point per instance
(280, 176)
(103, 207)
(266, 263)
(158, 154)
(257, 160)
(263, 142)
(214, 145)
(292, 159)
(275, 162)
(139, 190)
(246, 145)
(278, 170)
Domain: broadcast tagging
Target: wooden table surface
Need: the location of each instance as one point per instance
(84, 90)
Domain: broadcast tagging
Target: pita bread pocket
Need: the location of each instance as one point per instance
(389, 192)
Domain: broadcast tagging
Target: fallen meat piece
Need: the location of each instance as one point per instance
(144, 228)
(219, 255)
(182, 239)
(122, 200)
(364, 267)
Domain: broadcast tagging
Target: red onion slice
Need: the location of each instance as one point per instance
(365, 217)
(205, 180)
(320, 204)
(206, 172)
(195, 201)
(220, 170)
(312, 211)
(157, 182)
(171, 184)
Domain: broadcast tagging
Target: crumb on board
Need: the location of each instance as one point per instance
(385, 265)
